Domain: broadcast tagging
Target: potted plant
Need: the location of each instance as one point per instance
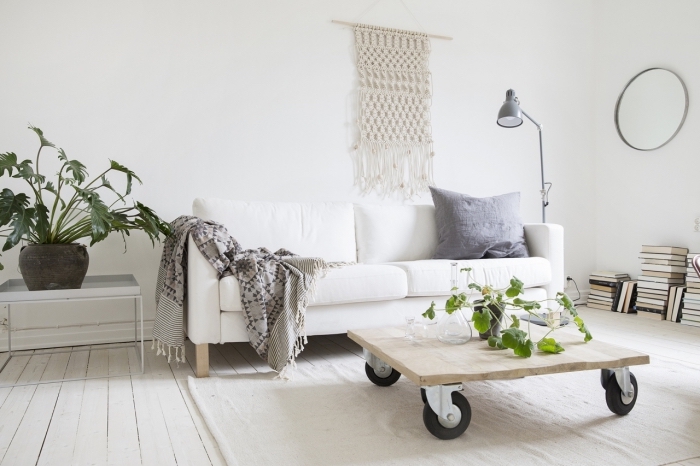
(485, 315)
(61, 213)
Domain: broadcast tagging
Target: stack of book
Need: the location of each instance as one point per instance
(690, 307)
(606, 290)
(663, 273)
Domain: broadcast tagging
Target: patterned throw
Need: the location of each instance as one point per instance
(395, 150)
(275, 290)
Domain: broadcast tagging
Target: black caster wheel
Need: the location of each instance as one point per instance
(423, 396)
(448, 429)
(617, 402)
(605, 375)
(381, 379)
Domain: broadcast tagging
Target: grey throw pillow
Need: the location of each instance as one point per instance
(474, 228)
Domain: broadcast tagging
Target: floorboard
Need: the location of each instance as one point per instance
(154, 439)
(181, 372)
(184, 437)
(91, 437)
(234, 358)
(16, 404)
(151, 419)
(62, 432)
(28, 440)
(122, 431)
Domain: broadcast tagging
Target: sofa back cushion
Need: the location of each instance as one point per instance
(395, 233)
(324, 229)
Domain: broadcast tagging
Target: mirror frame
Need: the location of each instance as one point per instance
(619, 100)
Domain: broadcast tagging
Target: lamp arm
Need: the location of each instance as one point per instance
(539, 126)
(544, 192)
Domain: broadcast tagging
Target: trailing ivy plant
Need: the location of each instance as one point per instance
(513, 337)
(71, 208)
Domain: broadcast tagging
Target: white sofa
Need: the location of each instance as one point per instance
(394, 275)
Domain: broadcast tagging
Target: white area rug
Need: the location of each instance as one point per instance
(333, 415)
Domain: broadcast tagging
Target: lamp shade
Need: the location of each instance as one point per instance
(510, 116)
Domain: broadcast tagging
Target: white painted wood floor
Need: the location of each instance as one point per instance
(151, 419)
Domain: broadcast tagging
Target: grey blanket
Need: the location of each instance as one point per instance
(275, 289)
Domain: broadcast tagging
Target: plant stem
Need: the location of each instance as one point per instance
(55, 202)
(38, 183)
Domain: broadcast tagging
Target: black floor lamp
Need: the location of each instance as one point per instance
(510, 116)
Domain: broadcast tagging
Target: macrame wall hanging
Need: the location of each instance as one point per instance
(395, 151)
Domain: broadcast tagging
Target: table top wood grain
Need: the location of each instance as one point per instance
(431, 362)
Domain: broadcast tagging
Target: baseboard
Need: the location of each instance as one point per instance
(584, 297)
(74, 336)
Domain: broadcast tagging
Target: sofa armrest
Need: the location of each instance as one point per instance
(547, 240)
(203, 308)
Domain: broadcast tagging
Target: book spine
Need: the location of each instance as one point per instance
(616, 300)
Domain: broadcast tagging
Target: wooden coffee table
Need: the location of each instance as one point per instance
(440, 369)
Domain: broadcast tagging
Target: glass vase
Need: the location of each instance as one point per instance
(454, 328)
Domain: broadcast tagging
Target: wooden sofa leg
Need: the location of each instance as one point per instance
(201, 353)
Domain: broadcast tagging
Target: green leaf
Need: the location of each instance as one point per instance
(455, 302)
(41, 219)
(8, 161)
(23, 225)
(129, 174)
(563, 300)
(515, 289)
(430, 313)
(50, 188)
(482, 320)
(108, 185)
(549, 345)
(10, 204)
(513, 337)
(100, 216)
(149, 222)
(525, 349)
(516, 321)
(583, 328)
(76, 168)
(26, 172)
(495, 342)
(44, 142)
(474, 286)
(466, 269)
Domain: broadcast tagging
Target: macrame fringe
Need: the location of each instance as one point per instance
(160, 348)
(389, 168)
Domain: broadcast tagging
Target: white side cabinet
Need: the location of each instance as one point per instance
(99, 287)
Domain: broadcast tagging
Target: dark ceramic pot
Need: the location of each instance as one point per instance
(53, 266)
(496, 322)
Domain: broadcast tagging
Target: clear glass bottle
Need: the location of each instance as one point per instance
(454, 328)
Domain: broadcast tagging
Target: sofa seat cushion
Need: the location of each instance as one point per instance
(432, 277)
(350, 284)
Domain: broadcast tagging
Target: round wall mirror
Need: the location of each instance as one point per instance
(651, 109)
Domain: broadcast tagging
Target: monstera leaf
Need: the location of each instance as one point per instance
(22, 227)
(129, 174)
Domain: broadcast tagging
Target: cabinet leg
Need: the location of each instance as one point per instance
(201, 353)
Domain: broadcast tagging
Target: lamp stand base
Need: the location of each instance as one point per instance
(540, 320)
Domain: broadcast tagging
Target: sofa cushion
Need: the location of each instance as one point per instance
(323, 229)
(432, 277)
(387, 233)
(474, 228)
(350, 284)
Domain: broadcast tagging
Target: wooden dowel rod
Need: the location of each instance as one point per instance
(345, 23)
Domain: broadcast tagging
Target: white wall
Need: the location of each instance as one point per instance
(254, 101)
(645, 197)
